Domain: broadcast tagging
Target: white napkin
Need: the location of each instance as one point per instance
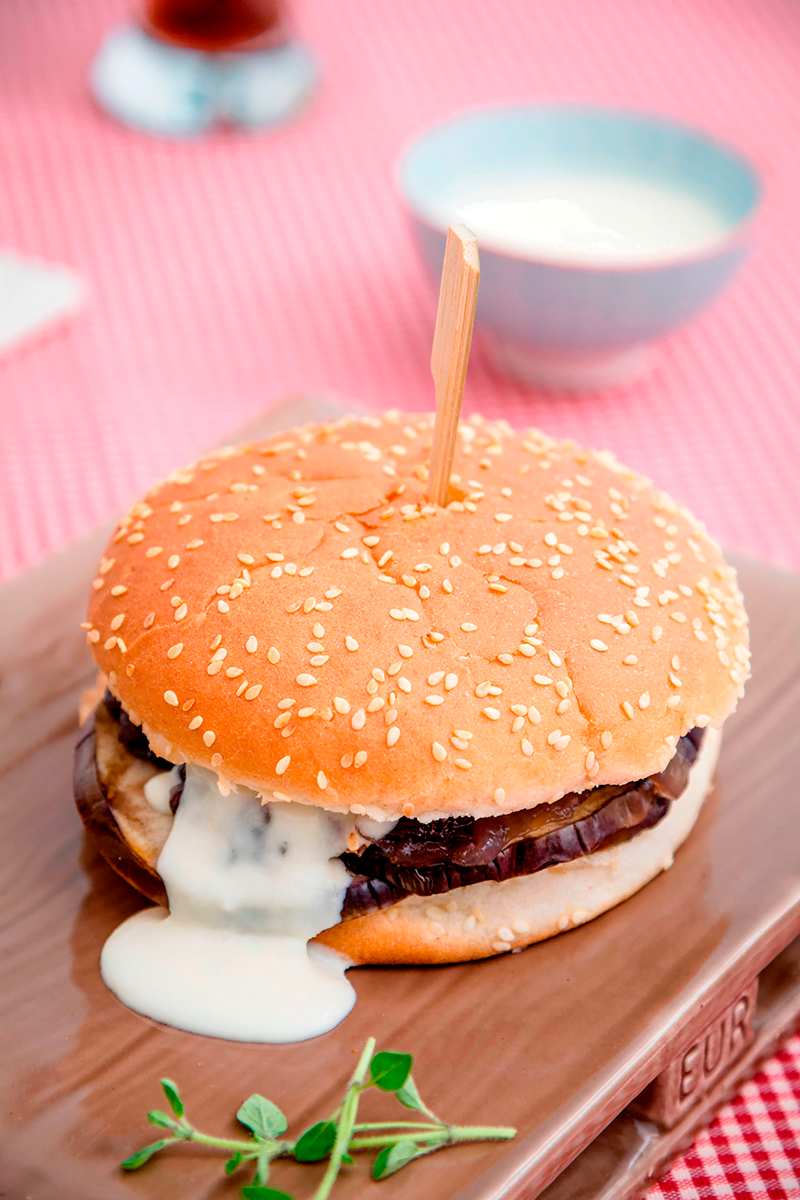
(32, 295)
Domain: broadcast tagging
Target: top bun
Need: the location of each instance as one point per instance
(294, 615)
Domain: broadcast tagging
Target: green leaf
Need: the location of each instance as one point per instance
(170, 1090)
(389, 1070)
(316, 1143)
(233, 1163)
(392, 1158)
(142, 1156)
(347, 1159)
(409, 1096)
(253, 1191)
(155, 1117)
(262, 1116)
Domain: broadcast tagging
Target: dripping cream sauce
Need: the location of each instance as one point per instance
(248, 887)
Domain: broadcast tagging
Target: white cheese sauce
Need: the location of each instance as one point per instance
(158, 788)
(248, 886)
(591, 218)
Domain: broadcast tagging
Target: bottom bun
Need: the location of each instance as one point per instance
(492, 918)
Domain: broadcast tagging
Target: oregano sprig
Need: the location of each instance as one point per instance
(397, 1142)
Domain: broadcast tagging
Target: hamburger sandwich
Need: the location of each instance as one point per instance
(507, 710)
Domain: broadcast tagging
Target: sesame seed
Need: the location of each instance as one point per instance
(673, 701)
(392, 735)
(644, 700)
(117, 621)
(358, 719)
(405, 651)
(397, 614)
(438, 751)
(526, 747)
(273, 655)
(656, 632)
(435, 678)
(181, 612)
(251, 645)
(175, 650)
(542, 680)
(196, 722)
(148, 621)
(351, 552)
(306, 680)
(492, 713)
(119, 590)
(464, 764)
(171, 698)
(252, 692)
(450, 682)
(322, 782)
(606, 738)
(214, 667)
(501, 518)
(468, 627)
(209, 738)
(596, 644)
(434, 699)
(627, 708)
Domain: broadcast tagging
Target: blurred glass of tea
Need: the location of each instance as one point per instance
(216, 24)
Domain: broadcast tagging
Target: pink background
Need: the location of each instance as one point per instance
(227, 273)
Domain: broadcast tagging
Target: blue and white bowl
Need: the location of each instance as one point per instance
(552, 317)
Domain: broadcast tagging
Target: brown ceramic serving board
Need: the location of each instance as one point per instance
(557, 1040)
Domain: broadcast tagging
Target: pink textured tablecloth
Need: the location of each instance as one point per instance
(226, 273)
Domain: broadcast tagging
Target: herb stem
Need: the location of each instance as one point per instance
(206, 1139)
(347, 1120)
(392, 1139)
(397, 1125)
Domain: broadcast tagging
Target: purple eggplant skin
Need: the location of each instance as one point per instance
(431, 859)
(98, 818)
(416, 858)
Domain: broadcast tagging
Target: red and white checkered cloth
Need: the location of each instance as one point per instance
(752, 1148)
(228, 272)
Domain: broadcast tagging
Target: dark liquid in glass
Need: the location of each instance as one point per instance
(214, 24)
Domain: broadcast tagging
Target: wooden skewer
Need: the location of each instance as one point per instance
(458, 296)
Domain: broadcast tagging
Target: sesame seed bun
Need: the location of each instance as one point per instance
(294, 615)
